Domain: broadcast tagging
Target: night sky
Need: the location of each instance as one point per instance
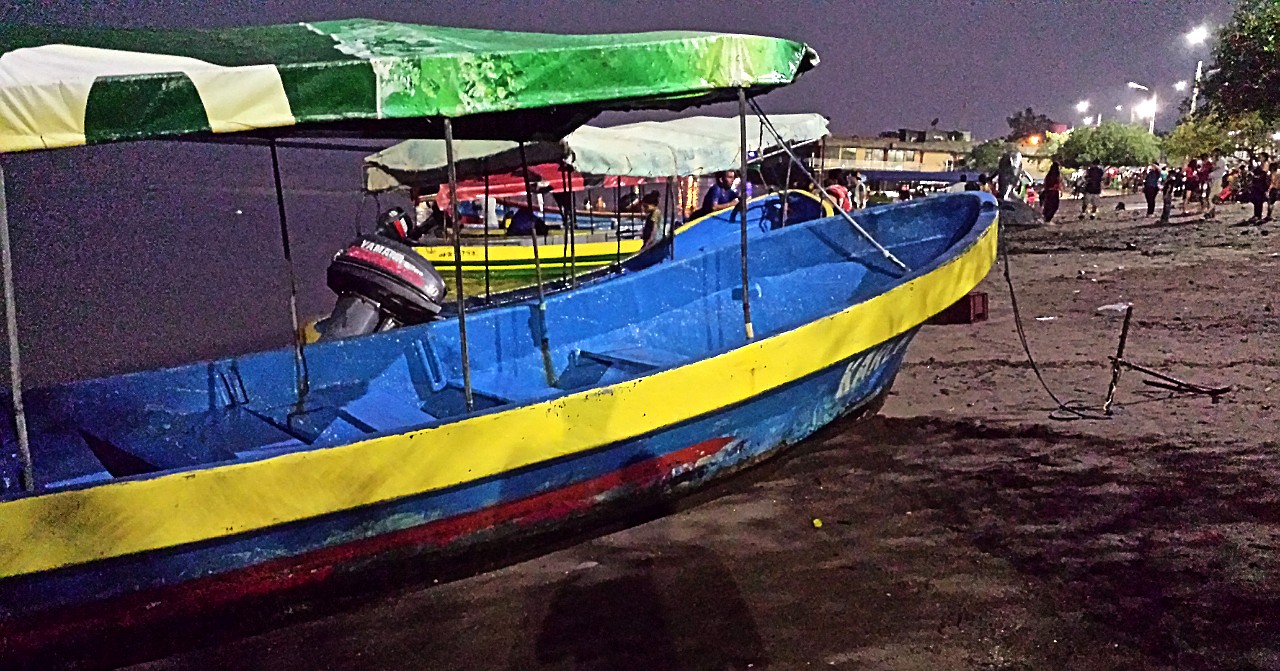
(132, 256)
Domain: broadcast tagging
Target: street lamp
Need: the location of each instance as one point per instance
(1088, 121)
(1180, 86)
(1197, 37)
(1082, 106)
(1146, 108)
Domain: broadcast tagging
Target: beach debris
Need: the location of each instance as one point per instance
(1115, 307)
(1161, 380)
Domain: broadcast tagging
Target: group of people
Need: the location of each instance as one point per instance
(848, 189)
(1205, 182)
(1201, 183)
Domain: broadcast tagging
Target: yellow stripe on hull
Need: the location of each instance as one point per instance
(511, 257)
(507, 256)
(71, 527)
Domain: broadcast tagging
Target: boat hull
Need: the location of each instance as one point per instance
(81, 604)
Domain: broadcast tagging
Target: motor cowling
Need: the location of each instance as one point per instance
(390, 274)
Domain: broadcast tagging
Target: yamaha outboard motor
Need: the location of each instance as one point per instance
(382, 283)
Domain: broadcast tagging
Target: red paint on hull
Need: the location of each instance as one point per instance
(44, 631)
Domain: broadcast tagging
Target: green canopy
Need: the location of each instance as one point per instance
(62, 87)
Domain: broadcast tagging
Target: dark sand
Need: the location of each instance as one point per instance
(961, 529)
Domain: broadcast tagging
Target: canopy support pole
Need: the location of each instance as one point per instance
(484, 166)
(670, 220)
(563, 226)
(544, 342)
(457, 265)
(684, 209)
(572, 222)
(11, 330)
(742, 204)
(302, 378)
(617, 231)
(840, 210)
(786, 193)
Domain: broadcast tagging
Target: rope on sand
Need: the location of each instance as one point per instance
(1071, 410)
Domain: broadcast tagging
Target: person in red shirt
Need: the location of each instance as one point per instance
(1191, 184)
(1205, 179)
(838, 191)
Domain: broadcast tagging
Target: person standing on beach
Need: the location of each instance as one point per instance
(1093, 177)
(1191, 184)
(1151, 187)
(858, 191)
(1172, 181)
(1259, 184)
(1052, 191)
(1274, 193)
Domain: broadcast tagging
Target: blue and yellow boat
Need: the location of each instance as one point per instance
(160, 494)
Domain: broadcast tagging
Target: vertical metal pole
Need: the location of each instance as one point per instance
(457, 266)
(11, 330)
(669, 203)
(302, 381)
(484, 166)
(786, 193)
(617, 210)
(572, 214)
(742, 203)
(1195, 88)
(544, 342)
(1116, 365)
(1152, 128)
(684, 209)
(564, 228)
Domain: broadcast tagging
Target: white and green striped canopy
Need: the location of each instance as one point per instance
(62, 87)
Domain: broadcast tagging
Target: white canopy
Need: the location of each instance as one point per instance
(690, 146)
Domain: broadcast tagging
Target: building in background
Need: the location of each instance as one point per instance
(924, 151)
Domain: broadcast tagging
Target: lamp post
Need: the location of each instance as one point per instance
(1198, 36)
(1081, 108)
(1146, 108)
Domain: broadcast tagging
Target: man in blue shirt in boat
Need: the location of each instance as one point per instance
(524, 222)
(721, 194)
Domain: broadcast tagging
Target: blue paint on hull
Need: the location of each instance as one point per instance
(759, 427)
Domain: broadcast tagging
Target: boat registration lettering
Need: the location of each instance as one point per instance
(864, 366)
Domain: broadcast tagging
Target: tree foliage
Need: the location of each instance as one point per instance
(1205, 134)
(1111, 143)
(1026, 123)
(1247, 59)
(986, 156)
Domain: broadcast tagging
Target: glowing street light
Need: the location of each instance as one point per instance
(1147, 110)
(1198, 35)
(1180, 86)
(1088, 121)
(1082, 106)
